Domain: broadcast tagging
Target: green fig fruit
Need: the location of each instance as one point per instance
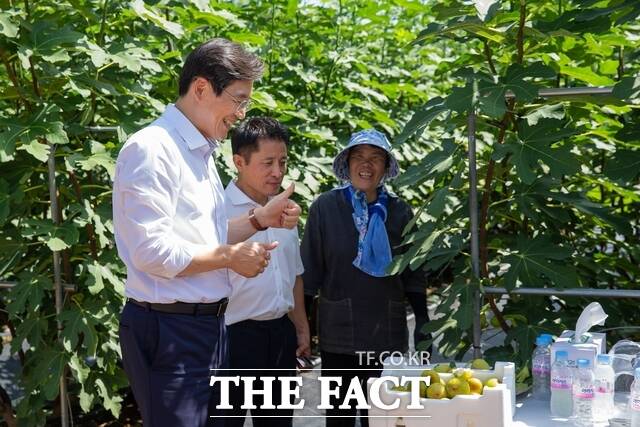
(436, 391)
(475, 385)
(442, 368)
(433, 375)
(463, 373)
(480, 364)
(457, 386)
(491, 382)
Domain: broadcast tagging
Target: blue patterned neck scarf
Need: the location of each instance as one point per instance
(374, 250)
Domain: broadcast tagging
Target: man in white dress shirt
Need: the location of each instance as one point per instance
(172, 233)
(266, 319)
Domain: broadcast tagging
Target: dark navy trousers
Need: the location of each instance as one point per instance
(169, 359)
(261, 345)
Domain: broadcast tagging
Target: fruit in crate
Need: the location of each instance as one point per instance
(475, 385)
(423, 389)
(444, 367)
(463, 373)
(456, 386)
(406, 387)
(436, 391)
(480, 364)
(435, 377)
(491, 382)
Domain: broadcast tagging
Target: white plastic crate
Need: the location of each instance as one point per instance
(494, 408)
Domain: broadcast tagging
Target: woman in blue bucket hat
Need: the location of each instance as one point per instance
(350, 238)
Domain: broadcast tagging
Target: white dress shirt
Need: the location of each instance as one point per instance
(270, 294)
(168, 205)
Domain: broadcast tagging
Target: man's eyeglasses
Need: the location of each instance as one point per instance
(241, 104)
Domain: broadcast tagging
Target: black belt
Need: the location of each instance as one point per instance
(262, 323)
(193, 308)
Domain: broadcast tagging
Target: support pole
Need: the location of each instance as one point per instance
(473, 216)
(57, 280)
(69, 288)
(563, 293)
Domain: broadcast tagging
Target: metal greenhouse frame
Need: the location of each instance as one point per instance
(570, 94)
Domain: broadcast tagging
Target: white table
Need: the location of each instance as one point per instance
(536, 413)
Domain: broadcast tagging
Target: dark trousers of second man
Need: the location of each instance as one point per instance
(261, 345)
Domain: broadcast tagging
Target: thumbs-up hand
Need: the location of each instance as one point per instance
(280, 211)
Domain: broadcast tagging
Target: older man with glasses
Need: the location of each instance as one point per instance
(173, 234)
(242, 105)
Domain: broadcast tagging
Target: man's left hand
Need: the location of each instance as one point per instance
(304, 343)
(280, 211)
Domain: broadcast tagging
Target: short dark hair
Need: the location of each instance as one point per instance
(221, 62)
(247, 136)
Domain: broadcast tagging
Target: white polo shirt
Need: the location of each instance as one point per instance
(270, 294)
(168, 205)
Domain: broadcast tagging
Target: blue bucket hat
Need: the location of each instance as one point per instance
(371, 137)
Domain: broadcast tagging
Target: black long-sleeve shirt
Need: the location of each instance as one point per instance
(357, 312)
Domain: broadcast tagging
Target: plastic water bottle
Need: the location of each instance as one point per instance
(605, 377)
(541, 362)
(634, 399)
(549, 338)
(583, 394)
(561, 384)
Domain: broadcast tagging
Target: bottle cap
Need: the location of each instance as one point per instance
(543, 339)
(583, 363)
(549, 337)
(562, 355)
(604, 359)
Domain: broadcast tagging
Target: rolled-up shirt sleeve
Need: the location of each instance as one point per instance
(147, 188)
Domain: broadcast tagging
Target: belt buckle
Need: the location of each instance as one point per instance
(221, 308)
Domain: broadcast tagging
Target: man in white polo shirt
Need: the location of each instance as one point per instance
(266, 319)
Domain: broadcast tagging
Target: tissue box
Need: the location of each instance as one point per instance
(589, 348)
